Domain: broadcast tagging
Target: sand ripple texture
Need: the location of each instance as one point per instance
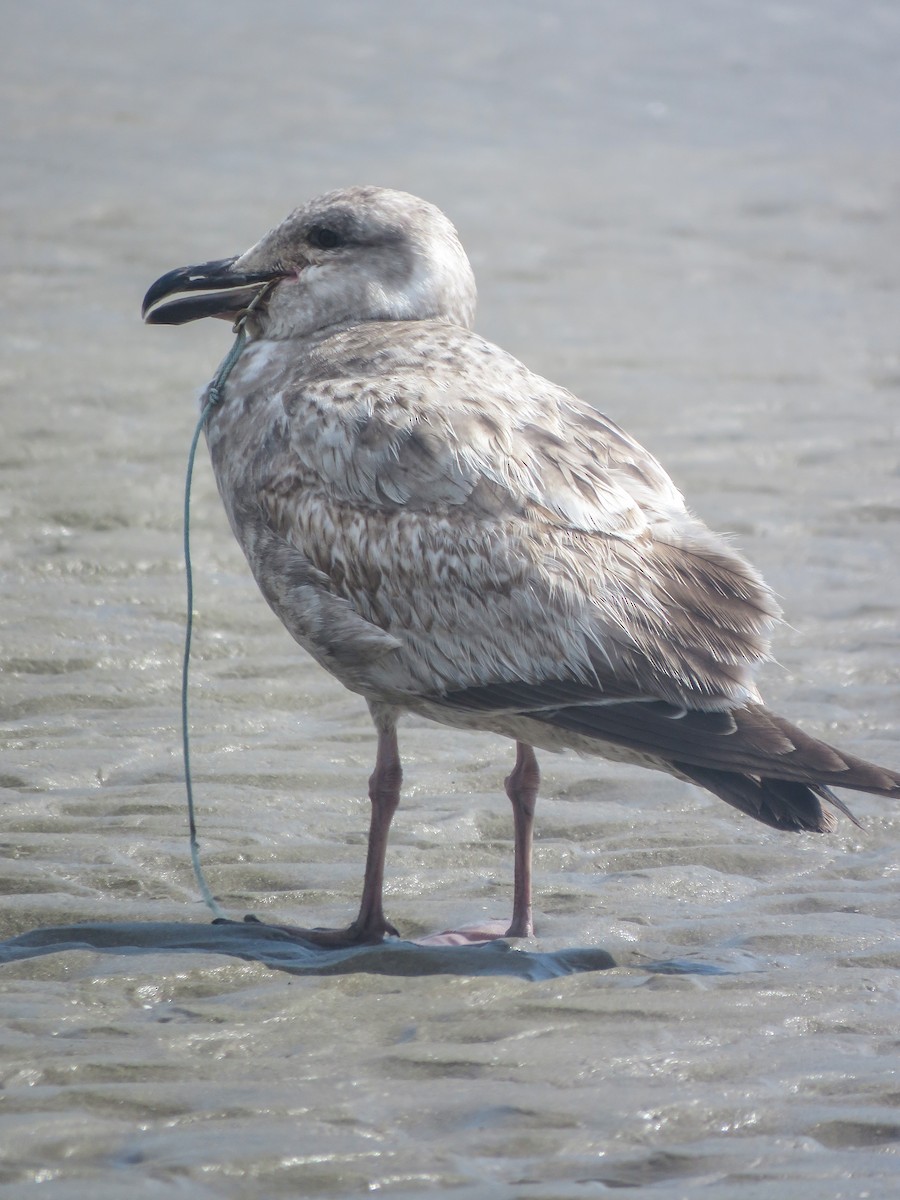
(692, 224)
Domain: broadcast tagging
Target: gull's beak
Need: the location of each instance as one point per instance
(228, 292)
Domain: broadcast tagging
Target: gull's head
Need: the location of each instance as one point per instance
(358, 254)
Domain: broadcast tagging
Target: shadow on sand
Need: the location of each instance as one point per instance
(263, 944)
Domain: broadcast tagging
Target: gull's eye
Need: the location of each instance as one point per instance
(324, 238)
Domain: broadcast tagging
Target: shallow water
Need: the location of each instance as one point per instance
(692, 223)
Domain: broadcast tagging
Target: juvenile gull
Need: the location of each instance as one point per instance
(451, 535)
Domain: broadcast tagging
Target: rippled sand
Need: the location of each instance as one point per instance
(703, 240)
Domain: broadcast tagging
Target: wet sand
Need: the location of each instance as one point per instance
(692, 224)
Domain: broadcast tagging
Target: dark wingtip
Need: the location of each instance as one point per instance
(827, 794)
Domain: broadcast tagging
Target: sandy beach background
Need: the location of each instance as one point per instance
(688, 214)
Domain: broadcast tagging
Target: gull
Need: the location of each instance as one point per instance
(451, 535)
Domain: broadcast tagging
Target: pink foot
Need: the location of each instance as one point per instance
(354, 935)
(469, 935)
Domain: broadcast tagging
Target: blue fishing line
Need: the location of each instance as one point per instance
(214, 395)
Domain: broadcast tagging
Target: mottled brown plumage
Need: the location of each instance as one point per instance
(450, 534)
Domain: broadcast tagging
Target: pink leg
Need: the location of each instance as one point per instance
(370, 925)
(522, 788)
(384, 792)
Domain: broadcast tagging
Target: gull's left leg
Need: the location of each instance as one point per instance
(522, 788)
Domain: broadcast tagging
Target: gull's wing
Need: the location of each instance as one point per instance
(502, 530)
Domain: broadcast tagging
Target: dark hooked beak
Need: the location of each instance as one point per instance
(239, 288)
